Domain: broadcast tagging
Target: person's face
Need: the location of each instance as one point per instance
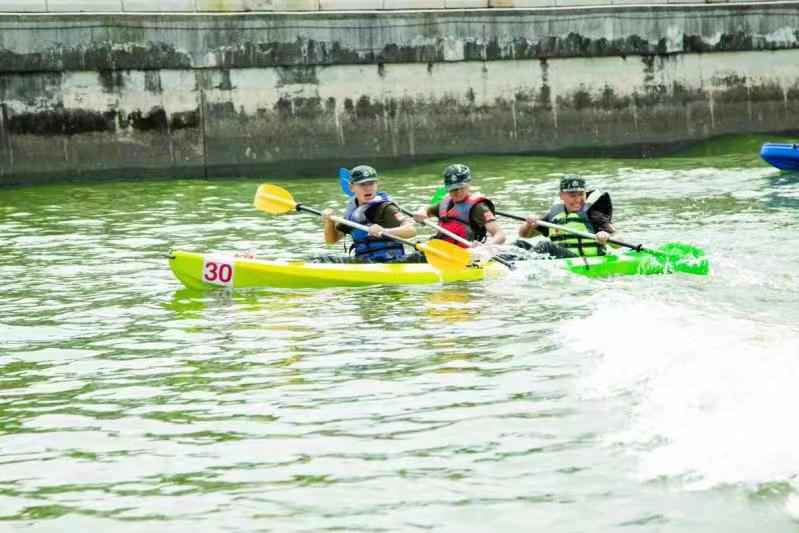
(573, 200)
(460, 194)
(364, 192)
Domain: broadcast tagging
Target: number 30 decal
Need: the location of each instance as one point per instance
(218, 271)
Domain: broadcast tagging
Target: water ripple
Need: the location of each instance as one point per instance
(538, 400)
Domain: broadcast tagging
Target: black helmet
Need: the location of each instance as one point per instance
(572, 182)
(363, 174)
(456, 176)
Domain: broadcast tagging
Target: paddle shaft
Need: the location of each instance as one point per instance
(345, 222)
(455, 237)
(344, 176)
(441, 255)
(441, 230)
(343, 179)
(636, 247)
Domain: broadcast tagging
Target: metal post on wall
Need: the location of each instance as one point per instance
(204, 129)
(5, 143)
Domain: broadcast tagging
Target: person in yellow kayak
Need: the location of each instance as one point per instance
(588, 212)
(470, 216)
(374, 209)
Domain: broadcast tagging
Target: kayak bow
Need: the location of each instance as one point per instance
(667, 259)
(782, 156)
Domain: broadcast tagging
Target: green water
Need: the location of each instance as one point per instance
(537, 402)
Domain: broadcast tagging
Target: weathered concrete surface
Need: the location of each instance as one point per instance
(82, 122)
(98, 42)
(508, 106)
(80, 102)
(198, 6)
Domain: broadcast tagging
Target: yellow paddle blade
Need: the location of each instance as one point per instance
(274, 200)
(444, 255)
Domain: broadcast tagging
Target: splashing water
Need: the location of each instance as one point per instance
(711, 392)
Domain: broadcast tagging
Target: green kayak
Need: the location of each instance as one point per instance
(667, 259)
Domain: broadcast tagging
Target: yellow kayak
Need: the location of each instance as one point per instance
(204, 271)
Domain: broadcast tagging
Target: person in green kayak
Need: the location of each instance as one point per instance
(470, 216)
(587, 212)
(374, 209)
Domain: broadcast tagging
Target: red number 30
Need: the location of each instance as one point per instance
(215, 272)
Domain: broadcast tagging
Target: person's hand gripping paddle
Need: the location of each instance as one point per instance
(440, 254)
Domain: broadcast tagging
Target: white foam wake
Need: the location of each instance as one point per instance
(712, 397)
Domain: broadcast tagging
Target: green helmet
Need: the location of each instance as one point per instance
(572, 182)
(456, 176)
(363, 174)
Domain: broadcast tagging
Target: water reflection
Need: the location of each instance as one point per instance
(186, 303)
(450, 305)
(783, 190)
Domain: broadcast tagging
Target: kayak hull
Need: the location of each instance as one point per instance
(205, 271)
(782, 156)
(667, 259)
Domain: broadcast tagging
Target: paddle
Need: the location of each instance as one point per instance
(583, 234)
(440, 192)
(693, 257)
(682, 257)
(344, 181)
(437, 197)
(440, 254)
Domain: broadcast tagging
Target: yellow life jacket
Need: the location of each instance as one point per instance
(577, 221)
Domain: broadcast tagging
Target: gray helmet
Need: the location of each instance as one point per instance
(363, 174)
(456, 176)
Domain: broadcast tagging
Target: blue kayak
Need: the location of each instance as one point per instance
(782, 156)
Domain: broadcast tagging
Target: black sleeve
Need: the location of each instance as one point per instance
(601, 222)
(343, 229)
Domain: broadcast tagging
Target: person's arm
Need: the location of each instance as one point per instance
(332, 233)
(392, 222)
(529, 227)
(495, 234)
(406, 229)
(604, 229)
(425, 212)
(481, 215)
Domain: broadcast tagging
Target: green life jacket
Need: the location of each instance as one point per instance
(577, 221)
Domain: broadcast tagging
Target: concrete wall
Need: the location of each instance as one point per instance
(230, 6)
(178, 95)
